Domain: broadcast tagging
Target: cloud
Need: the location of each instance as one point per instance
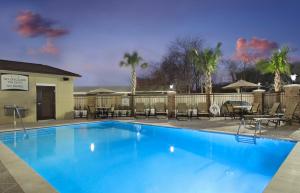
(31, 24)
(49, 48)
(254, 49)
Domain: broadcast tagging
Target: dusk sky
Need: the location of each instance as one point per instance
(91, 37)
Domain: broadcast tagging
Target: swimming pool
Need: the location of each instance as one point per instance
(117, 157)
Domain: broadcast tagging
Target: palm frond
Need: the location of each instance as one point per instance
(122, 63)
(265, 66)
(144, 65)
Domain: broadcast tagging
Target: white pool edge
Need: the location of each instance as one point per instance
(286, 179)
(29, 180)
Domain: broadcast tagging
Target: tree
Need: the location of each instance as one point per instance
(277, 65)
(178, 67)
(133, 61)
(207, 61)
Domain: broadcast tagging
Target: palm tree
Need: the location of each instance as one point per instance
(207, 61)
(277, 65)
(133, 61)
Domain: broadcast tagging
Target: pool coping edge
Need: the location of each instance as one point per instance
(287, 176)
(29, 180)
(285, 179)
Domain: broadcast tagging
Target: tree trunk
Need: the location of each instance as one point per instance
(133, 89)
(133, 81)
(277, 81)
(208, 83)
(208, 88)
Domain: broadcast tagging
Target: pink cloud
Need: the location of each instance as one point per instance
(254, 49)
(49, 48)
(31, 24)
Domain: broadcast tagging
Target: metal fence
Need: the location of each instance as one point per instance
(190, 99)
(80, 101)
(150, 101)
(109, 100)
(221, 98)
(217, 98)
(271, 98)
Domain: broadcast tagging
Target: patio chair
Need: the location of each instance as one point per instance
(111, 112)
(230, 112)
(161, 110)
(77, 113)
(140, 110)
(91, 112)
(181, 110)
(202, 110)
(287, 117)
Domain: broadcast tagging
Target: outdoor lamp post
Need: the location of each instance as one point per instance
(293, 77)
(171, 86)
(258, 85)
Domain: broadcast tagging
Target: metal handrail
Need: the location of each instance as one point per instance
(16, 110)
(243, 124)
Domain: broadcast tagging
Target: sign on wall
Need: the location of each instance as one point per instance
(14, 82)
(125, 101)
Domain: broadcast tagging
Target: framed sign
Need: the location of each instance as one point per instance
(125, 101)
(14, 82)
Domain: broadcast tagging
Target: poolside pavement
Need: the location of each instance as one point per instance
(218, 124)
(14, 173)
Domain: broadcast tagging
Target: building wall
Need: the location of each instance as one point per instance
(63, 96)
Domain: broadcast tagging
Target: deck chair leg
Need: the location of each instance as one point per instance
(276, 124)
(258, 126)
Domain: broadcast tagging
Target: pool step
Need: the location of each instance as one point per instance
(245, 139)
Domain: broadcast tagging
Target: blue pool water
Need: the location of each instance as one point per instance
(116, 157)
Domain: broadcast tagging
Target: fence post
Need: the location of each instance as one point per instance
(292, 94)
(258, 97)
(171, 103)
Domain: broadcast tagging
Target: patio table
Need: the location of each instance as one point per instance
(241, 110)
(103, 111)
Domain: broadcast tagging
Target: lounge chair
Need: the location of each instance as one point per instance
(161, 110)
(254, 109)
(181, 110)
(202, 110)
(272, 113)
(287, 117)
(140, 110)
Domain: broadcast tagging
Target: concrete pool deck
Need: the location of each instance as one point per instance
(24, 179)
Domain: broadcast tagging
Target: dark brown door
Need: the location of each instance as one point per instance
(45, 102)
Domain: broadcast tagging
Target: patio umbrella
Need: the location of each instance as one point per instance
(241, 84)
(101, 91)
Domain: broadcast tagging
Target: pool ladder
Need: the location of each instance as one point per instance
(243, 124)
